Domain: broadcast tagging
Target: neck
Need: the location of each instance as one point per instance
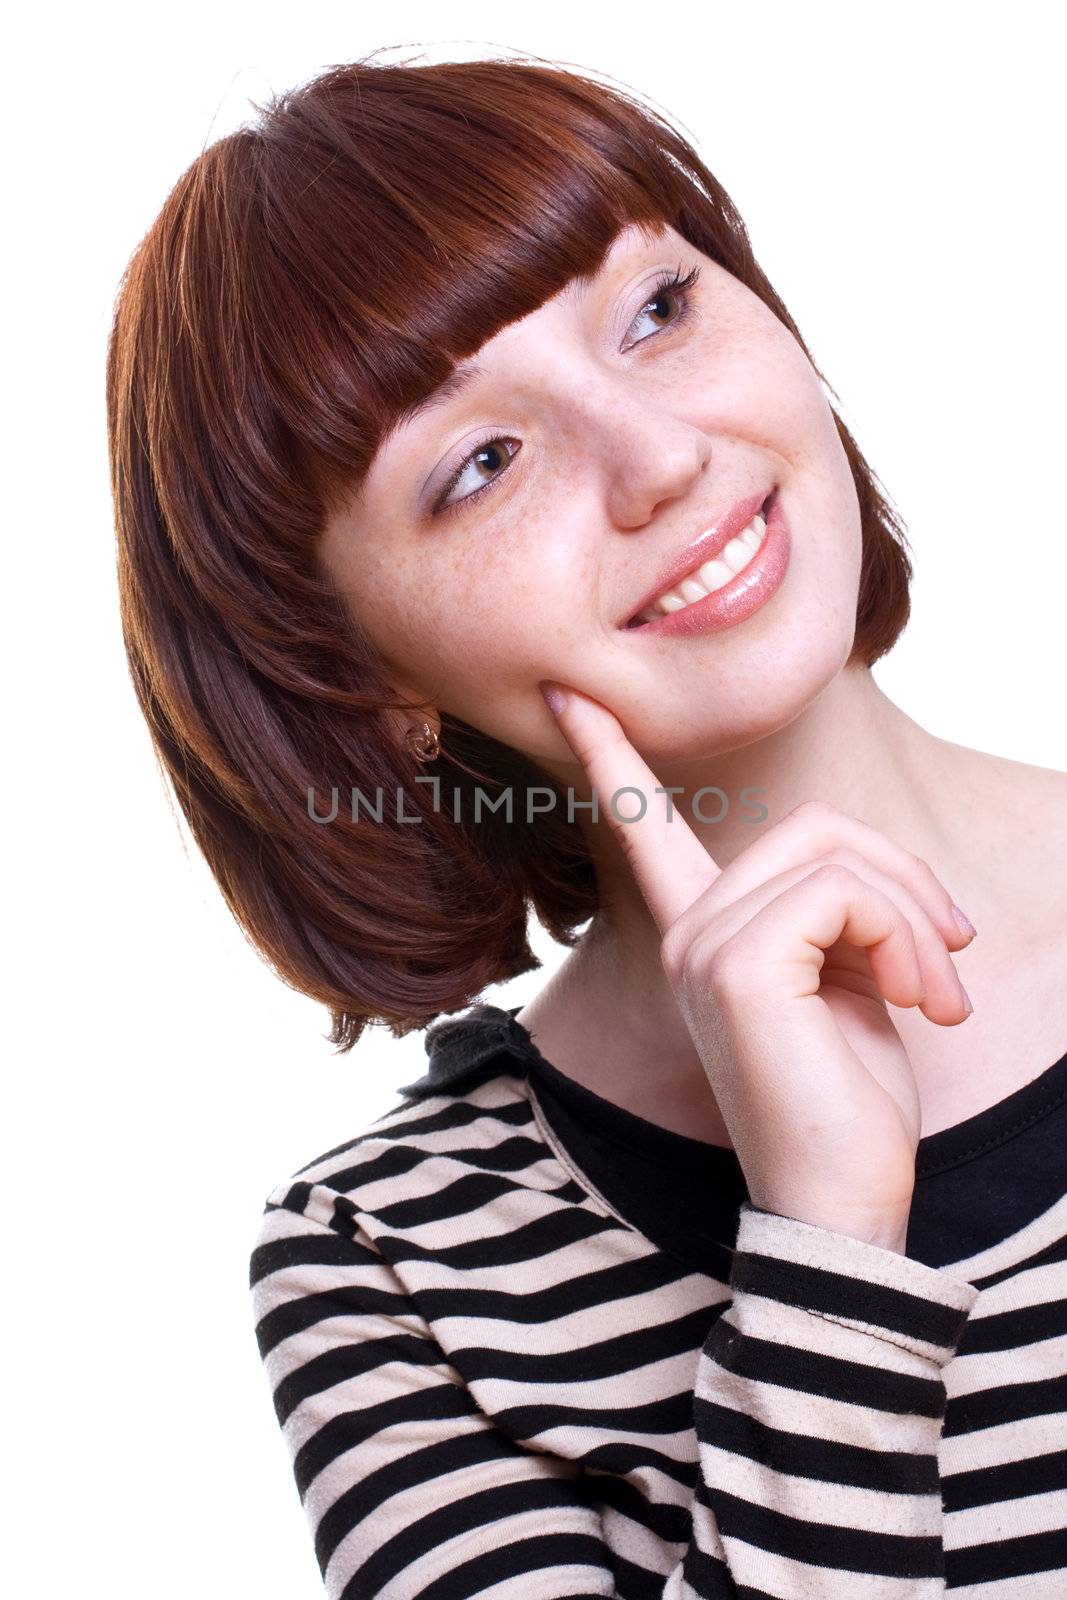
(851, 747)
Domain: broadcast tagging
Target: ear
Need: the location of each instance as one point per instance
(420, 712)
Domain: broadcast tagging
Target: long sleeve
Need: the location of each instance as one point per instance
(408, 1488)
(817, 1412)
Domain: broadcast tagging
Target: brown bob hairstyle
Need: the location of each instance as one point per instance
(310, 278)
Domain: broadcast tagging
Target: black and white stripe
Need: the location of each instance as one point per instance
(490, 1384)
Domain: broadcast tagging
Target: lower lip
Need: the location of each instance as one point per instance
(744, 594)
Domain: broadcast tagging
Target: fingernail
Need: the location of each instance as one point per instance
(554, 697)
(965, 925)
(967, 999)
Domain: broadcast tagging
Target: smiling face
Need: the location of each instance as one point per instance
(510, 532)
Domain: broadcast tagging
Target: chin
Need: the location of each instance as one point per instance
(748, 698)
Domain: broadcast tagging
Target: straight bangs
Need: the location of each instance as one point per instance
(394, 221)
(311, 278)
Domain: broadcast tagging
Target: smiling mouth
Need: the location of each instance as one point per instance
(708, 576)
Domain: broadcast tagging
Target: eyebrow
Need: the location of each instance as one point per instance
(448, 389)
(466, 372)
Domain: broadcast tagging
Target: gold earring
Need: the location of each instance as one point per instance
(424, 743)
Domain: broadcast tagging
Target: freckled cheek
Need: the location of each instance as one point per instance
(507, 632)
(761, 386)
(810, 415)
(500, 635)
(467, 625)
(536, 577)
(783, 400)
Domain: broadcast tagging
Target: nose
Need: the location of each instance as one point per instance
(653, 461)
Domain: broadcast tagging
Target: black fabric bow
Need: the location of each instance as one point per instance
(486, 1036)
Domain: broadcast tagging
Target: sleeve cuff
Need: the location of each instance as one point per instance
(848, 1281)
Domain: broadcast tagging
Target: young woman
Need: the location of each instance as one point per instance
(488, 540)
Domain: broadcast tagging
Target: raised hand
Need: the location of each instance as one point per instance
(781, 964)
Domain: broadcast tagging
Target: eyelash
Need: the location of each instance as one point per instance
(677, 283)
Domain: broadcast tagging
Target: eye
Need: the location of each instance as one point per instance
(489, 457)
(671, 287)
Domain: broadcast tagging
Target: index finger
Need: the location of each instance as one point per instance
(670, 864)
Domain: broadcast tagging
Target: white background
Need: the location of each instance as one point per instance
(900, 169)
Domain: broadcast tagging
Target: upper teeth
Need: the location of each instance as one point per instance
(704, 580)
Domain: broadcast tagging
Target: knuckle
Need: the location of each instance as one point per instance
(836, 874)
(719, 970)
(843, 856)
(814, 811)
(694, 964)
(672, 950)
(922, 866)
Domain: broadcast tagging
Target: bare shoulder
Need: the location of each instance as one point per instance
(1039, 806)
(1010, 824)
(1014, 816)
(1020, 799)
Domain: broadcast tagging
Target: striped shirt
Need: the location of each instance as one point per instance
(524, 1344)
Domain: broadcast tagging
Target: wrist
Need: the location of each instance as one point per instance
(883, 1233)
(895, 1239)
